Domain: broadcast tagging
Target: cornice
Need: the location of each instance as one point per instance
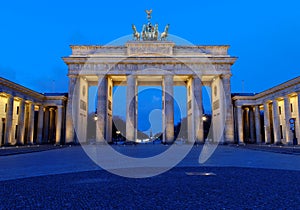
(150, 59)
(21, 89)
(293, 83)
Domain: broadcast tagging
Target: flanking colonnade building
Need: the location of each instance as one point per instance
(28, 117)
(271, 116)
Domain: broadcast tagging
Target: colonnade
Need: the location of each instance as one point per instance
(269, 122)
(77, 117)
(27, 122)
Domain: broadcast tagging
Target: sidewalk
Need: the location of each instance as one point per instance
(15, 150)
(283, 149)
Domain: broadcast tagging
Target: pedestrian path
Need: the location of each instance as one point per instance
(74, 159)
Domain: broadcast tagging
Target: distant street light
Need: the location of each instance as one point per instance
(118, 133)
(204, 117)
(95, 116)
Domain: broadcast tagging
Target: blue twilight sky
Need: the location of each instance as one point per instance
(265, 35)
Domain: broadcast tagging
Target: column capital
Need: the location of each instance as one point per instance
(166, 76)
(101, 75)
(276, 100)
(131, 75)
(9, 95)
(73, 76)
(226, 76)
(197, 76)
(29, 102)
(286, 98)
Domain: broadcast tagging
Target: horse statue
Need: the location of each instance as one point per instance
(136, 35)
(164, 34)
(155, 32)
(144, 32)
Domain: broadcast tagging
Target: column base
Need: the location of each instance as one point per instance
(7, 145)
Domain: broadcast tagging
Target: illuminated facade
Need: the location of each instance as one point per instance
(28, 117)
(150, 63)
(270, 117)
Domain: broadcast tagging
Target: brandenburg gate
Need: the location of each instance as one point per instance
(152, 60)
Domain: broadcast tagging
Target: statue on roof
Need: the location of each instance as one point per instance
(136, 35)
(148, 14)
(150, 32)
(165, 34)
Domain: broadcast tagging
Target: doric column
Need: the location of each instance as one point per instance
(276, 125)
(101, 109)
(198, 110)
(46, 124)
(257, 124)
(40, 125)
(58, 124)
(240, 123)
(246, 124)
(168, 108)
(51, 124)
(252, 126)
(287, 115)
(229, 124)
(131, 124)
(9, 117)
(69, 118)
(267, 123)
(30, 123)
(21, 123)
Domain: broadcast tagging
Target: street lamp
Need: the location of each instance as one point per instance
(204, 117)
(118, 133)
(95, 116)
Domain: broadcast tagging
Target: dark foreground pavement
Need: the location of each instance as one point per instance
(226, 188)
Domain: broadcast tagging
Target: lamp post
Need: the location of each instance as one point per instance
(95, 116)
(118, 133)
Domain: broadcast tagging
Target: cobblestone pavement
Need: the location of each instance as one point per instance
(225, 188)
(233, 178)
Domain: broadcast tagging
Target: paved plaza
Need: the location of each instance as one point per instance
(233, 178)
